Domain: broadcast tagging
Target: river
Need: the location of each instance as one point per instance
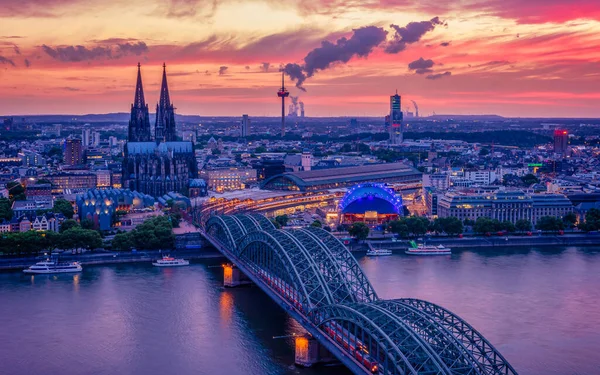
(539, 307)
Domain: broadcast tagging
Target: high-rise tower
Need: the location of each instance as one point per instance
(396, 120)
(139, 123)
(164, 129)
(283, 93)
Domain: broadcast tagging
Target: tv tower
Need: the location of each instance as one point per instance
(283, 93)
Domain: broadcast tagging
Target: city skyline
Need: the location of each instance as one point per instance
(465, 57)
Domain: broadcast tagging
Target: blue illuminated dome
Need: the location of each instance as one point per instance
(370, 198)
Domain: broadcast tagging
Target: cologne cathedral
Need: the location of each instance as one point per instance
(160, 164)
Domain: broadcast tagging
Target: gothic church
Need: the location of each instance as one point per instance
(160, 164)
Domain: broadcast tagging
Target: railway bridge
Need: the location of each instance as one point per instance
(316, 279)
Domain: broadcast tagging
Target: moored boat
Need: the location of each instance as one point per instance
(422, 249)
(50, 266)
(168, 261)
(378, 252)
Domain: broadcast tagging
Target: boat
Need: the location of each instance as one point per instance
(51, 266)
(168, 261)
(378, 252)
(422, 249)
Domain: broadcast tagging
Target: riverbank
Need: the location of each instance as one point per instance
(498, 241)
(111, 258)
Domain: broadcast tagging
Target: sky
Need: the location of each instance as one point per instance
(534, 58)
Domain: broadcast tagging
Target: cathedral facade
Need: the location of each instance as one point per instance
(160, 164)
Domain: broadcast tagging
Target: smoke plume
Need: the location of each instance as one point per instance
(222, 70)
(439, 75)
(411, 33)
(421, 66)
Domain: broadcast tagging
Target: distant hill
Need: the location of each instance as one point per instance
(466, 117)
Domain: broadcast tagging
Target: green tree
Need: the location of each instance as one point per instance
(398, 227)
(87, 224)
(530, 179)
(523, 225)
(417, 225)
(64, 207)
(570, 220)
(484, 152)
(16, 191)
(317, 224)
(260, 150)
(592, 220)
(550, 224)
(507, 226)
(359, 230)
(452, 226)
(6, 212)
(282, 220)
(69, 224)
(486, 225)
(122, 242)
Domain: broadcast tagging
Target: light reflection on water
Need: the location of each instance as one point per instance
(538, 306)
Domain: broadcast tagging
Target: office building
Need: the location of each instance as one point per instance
(245, 126)
(96, 139)
(561, 141)
(396, 120)
(223, 179)
(86, 137)
(72, 152)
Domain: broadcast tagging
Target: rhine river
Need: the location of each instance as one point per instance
(539, 307)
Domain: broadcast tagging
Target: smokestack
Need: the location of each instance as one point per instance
(416, 108)
(301, 109)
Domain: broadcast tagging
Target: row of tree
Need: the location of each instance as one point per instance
(35, 242)
(153, 234)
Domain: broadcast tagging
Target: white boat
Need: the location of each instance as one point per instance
(168, 261)
(428, 249)
(378, 252)
(50, 266)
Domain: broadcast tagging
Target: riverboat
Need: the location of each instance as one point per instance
(422, 249)
(50, 266)
(168, 261)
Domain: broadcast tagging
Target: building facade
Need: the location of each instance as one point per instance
(224, 179)
(561, 141)
(245, 126)
(396, 125)
(503, 205)
(72, 151)
(163, 164)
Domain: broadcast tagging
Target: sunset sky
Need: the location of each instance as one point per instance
(507, 57)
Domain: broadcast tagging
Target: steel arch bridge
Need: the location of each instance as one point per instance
(317, 280)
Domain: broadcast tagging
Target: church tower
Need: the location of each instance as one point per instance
(139, 123)
(165, 114)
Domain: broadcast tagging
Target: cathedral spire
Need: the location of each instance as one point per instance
(139, 122)
(139, 101)
(165, 114)
(165, 100)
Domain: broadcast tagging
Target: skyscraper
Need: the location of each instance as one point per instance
(72, 151)
(85, 137)
(245, 126)
(561, 141)
(139, 122)
(395, 128)
(165, 114)
(96, 139)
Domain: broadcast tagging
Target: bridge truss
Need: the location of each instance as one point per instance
(319, 282)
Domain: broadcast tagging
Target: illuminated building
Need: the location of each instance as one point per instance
(39, 191)
(370, 203)
(503, 205)
(63, 181)
(396, 120)
(31, 206)
(72, 151)
(323, 179)
(561, 141)
(104, 178)
(164, 164)
(223, 179)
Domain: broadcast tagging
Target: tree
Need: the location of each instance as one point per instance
(359, 230)
(87, 224)
(592, 220)
(6, 212)
(570, 220)
(452, 226)
(486, 225)
(417, 225)
(507, 226)
(69, 224)
(276, 224)
(64, 207)
(550, 224)
(216, 151)
(16, 191)
(122, 242)
(530, 179)
(469, 222)
(523, 225)
(317, 224)
(260, 150)
(282, 220)
(398, 227)
(484, 152)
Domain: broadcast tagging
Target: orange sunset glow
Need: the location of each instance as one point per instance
(535, 58)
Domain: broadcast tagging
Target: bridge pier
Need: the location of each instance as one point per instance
(309, 352)
(233, 277)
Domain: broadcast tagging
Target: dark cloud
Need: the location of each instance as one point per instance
(421, 66)
(27, 63)
(137, 49)
(296, 73)
(411, 33)
(265, 66)
(439, 75)
(72, 89)
(4, 60)
(82, 53)
(222, 70)
(247, 67)
(445, 44)
(16, 49)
